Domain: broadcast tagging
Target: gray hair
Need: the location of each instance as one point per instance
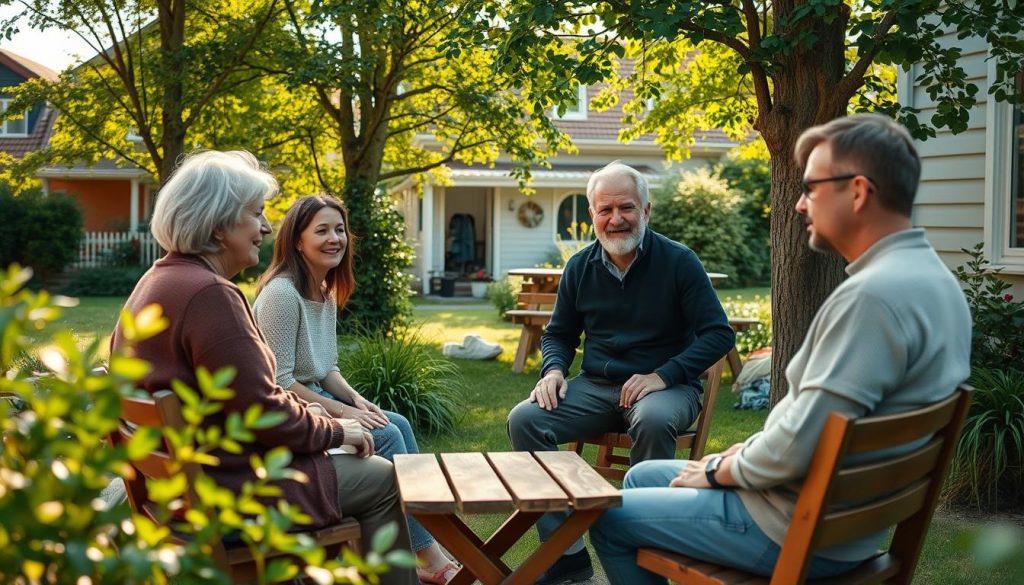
(875, 146)
(617, 168)
(208, 190)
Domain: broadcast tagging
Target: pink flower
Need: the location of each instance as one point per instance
(1007, 297)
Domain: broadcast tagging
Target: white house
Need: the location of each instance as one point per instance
(510, 229)
(972, 183)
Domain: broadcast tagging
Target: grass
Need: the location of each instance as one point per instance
(494, 390)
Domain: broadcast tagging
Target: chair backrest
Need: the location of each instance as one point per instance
(839, 503)
(161, 410)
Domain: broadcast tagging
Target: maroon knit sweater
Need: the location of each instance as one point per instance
(211, 325)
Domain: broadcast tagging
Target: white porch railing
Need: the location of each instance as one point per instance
(117, 249)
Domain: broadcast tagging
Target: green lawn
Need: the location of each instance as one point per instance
(494, 389)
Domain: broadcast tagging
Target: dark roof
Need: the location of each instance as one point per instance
(40, 136)
(26, 68)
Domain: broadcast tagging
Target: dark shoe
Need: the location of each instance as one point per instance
(568, 569)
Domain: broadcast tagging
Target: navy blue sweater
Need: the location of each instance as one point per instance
(663, 317)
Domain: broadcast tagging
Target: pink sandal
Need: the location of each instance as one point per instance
(440, 577)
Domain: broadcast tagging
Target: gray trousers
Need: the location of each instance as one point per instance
(591, 407)
(368, 491)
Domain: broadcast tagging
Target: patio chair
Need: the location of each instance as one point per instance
(612, 465)
(163, 409)
(839, 503)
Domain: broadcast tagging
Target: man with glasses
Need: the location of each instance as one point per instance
(893, 337)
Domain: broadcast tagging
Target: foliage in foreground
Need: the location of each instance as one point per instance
(54, 463)
(400, 373)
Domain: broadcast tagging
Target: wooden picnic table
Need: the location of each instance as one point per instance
(435, 489)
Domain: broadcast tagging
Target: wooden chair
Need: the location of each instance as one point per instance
(840, 503)
(164, 410)
(693, 439)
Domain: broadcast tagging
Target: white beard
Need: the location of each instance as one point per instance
(621, 246)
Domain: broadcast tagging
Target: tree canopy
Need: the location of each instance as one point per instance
(775, 68)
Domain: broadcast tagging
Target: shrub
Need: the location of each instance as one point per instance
(54, 528)
(997, 337)
(40, 232)
(989, 463)
(755, 337)
(382, 297)
(701, 211)
(503, 293)
(105, 282)
(747, 171)
(399, 372)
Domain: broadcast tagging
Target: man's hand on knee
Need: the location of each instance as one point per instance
(638, 386)
(549, 390)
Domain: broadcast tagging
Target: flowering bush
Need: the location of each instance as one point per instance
(757, 336)
(997, 338)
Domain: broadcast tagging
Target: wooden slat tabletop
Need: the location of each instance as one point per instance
(587, 489)
(476, 486)
(422, 484)
(530, 485)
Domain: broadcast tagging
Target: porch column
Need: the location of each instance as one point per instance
(133, 221)
(427, 237)
(46, 187)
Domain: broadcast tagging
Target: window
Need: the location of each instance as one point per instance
(15, 126)
(577, 109)
(572, 210)
(1004, 182)
(1016, 214)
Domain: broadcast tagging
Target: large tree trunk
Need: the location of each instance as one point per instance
(804, 95)
(172, 42)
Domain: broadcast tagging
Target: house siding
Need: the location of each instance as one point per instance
(106, 204)
(951, 199)
(9, 79)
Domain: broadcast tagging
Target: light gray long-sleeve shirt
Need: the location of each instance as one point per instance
(893, 337)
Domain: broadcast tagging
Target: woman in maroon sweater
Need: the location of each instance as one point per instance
(209, 217)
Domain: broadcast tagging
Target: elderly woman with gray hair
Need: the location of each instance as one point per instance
(209, 217)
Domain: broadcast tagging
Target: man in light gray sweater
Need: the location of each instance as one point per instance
(893, 337)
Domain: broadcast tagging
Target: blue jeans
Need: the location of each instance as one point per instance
(591, 408)
(394, 439)
(707, 524)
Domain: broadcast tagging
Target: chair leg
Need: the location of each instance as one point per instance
(735, 365)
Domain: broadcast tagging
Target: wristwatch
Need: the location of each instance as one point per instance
(710, 470)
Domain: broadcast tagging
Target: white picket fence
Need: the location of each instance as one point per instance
(117, 249)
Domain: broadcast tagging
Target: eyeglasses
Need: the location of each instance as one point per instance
(807, 184)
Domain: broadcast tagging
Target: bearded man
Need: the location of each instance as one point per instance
(653, 324)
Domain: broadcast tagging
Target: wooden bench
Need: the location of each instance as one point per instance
(436, 489)
(161, 410)
(533, 313)
(840, 503)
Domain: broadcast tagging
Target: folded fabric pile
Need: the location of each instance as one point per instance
(473, 347)
(754, 382)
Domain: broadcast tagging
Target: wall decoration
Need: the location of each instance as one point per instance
(530, 214)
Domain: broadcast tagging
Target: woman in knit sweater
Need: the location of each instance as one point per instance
(296, 308)
(209, 217)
